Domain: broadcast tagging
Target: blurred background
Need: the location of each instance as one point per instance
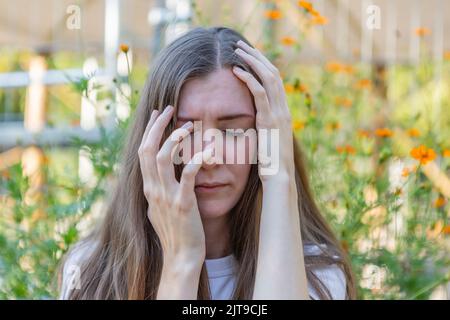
(368, 87)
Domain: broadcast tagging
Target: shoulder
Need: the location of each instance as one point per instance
(71, 270)
(331, 276)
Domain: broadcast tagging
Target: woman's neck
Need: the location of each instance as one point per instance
(217, 235)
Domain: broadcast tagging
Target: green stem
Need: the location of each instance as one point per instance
(446, 278)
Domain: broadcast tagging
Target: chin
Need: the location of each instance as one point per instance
(213, 208)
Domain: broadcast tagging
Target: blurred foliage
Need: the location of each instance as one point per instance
(357, 125)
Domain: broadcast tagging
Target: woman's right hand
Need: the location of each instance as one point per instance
(173, 210)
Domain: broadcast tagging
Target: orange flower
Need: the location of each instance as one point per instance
(289, 88)
(423, 154)
(337, 67)
(298, 125)
(273, 14)
(319, 20)
(447, 55)
(124, 48)
(334, 67)
(363, 84)
(302, 88)
(446, 153)
(446, 229)
(440, 202)
(5, 174)
(45, 160)
(422, 31)
(314, 12)
(435, 230)
(348, 149)
(406, 172)
(347, 69)
(295, 88)
(288, 41)
(343, 102)
(333, 126)
(309, 7)
(413, 132)
(306, 5)
(384, 132)
(363, 133)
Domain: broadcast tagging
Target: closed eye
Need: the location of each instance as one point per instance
(234, 132)
(223, 118)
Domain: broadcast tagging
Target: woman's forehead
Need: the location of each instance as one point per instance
(219, 94)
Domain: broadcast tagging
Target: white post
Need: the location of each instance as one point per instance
(342, 27)
(414, 40)
(391, 32)
(438, 52)
(112, 25)
(366, 35)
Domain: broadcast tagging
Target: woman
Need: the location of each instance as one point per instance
(203, 229)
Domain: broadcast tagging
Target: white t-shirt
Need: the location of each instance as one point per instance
(221, 275)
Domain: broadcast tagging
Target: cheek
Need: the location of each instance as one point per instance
(221, 204)
(240, 173)
(240, 150)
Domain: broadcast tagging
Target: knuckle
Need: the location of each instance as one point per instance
(275, 71)
(260, 92)
(141, 150)
(147, 192)
(188, 174)
(145, 149)
(180, 205)
(161, 158)
(271, 77)
(156, 198)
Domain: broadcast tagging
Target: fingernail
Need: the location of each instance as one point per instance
(168, 109)
(237, 69)
(208, 152)
(187, 125)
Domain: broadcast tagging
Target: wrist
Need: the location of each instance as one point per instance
(282, 184)
(183, 262)
(283, 178)
(179, 278)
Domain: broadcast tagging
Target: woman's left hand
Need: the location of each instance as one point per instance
(272, 110)
(280, 245)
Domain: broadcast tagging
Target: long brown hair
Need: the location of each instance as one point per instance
(126, 262)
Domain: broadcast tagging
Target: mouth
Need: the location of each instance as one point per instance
(209, 187)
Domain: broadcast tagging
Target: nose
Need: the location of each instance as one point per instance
(210, 141)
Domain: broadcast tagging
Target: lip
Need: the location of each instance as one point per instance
(209, 187)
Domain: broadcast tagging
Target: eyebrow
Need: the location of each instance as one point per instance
(222, 118)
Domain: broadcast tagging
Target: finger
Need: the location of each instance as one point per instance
(153, 139)
(150, 124)
(190, 170)
(267, 77)
(258, 91)
(257, 54)
(143, 156)
(164, 158)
